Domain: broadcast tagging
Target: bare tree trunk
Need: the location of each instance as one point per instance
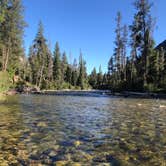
(41, 75)
(3, 57)
(6, 59)
(37, 78)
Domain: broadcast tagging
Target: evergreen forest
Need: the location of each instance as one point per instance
(137, 64)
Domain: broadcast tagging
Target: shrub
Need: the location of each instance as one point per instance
(5, 81)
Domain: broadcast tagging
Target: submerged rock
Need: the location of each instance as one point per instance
(162, 106)
(61, 163)
(41, 124)
(52, 154)
(77, 143)
(76, 164)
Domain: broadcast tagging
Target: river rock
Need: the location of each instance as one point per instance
(41, 124)
(77, 143)
(61, 163)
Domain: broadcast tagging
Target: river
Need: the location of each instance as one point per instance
(82, 130)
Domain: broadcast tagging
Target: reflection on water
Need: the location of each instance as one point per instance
(72, 130)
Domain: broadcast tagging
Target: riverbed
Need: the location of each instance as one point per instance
(82, 130)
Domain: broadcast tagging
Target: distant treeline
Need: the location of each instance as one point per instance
(142, 69)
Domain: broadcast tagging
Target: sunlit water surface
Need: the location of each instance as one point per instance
(81, 130)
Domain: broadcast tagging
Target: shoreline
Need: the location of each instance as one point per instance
(126, 94)
(93, 92)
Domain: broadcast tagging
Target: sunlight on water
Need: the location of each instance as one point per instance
(68, 130)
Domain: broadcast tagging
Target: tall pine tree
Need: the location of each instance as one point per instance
(11, 33)
(57, 74)
(40, 60)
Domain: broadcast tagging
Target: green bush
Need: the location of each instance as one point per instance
(151, 88)
(5, 81)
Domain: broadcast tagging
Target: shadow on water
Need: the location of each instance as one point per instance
(82, 130)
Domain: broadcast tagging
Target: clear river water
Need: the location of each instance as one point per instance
(39, 130)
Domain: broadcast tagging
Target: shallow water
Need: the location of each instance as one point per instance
(80, 130)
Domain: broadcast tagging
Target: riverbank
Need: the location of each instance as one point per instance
(144, 95)
(126, 94)
(89, 92)
(69, 92)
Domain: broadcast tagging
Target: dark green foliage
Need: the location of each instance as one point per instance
(57, 75)
(99, 79)
(93, 78)
(69, 74)
(74, 78)
(74, 73)
(82, 72)
(64, 65)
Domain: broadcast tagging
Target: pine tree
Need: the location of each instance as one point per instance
(57, 65)
(105, 81)
(140, 29)
(69, 74)
(118, 47)
(162, 64)
(50, 66)
(111, 68)
(99, 78)
(82, 72)
(146, 56)
(64, 65)
(74, 73)
(93, 78)
(74, 78)
(40, 60)
(153, 69)
(11, 33)
(124, 51)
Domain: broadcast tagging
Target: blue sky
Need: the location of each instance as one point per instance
(85, 24)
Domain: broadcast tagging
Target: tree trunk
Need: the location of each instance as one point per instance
(3, 58)
(6, 59)
(5, 55)
(41, 75)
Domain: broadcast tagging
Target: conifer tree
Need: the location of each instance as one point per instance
(118, 47)
(57, 64)
(40, 60)
(124, 51)
(11, 33)
(93, 78)
(74, 73)
(111, 68)
(162, 64)
(146, 56)
(99, 78)
(74, 78)
(50, 66)
(64, 65)
(82, 72)
(69, 74)
(105, 81)
(140, 29)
